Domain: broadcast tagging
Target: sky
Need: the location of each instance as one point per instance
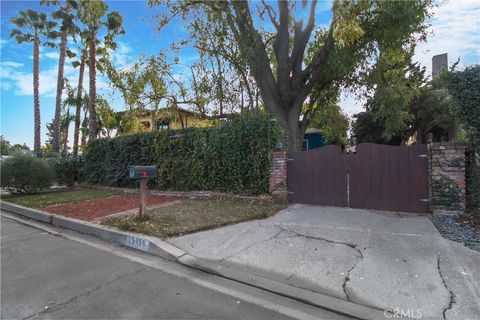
(455, 29)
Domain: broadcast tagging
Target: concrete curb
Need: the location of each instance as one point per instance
(143, 243)
(329, 303)
(163, 249)
(26, 212)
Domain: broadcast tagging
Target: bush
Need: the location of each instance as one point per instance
(67, 170)
(233, 157)
(472, 173)
(464, 87)
(25, 173)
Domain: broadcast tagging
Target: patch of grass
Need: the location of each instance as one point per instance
(50, 198)
(196, 214)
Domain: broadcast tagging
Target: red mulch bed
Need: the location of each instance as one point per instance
(93, 209)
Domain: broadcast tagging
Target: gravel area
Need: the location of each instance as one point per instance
(452, 230)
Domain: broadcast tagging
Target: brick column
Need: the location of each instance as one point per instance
(447, 177)
(278, 175)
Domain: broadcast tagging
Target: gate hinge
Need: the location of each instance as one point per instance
(423, 156)
(424, 200)
(288, 159)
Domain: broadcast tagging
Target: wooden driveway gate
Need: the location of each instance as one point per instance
(376, 176)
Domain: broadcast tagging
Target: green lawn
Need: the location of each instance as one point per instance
(195, 215)
(49, 198)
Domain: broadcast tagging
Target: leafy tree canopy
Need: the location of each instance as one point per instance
(285, 74)
(464, 87)
(403, 104)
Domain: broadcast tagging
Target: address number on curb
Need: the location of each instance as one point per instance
(138, 243)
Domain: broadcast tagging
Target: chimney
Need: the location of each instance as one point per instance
(439, 64)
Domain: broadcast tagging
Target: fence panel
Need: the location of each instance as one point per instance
(318, 176)
(389, 178)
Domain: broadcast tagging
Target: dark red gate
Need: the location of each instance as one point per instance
(376, 176)
(318, 176)
(389, 178)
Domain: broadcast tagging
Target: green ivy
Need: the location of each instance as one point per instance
(464, 87)
(233, 157)
(446, 193)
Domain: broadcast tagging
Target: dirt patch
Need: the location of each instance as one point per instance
(93, 209)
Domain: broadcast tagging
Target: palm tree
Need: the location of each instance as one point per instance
(66, 117)
(82, 101)
(92, 14)
(67, 28)
(79, 100)
(33, 26)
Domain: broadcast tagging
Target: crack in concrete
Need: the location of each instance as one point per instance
(350, 245)
(290, 276)
(347, 278)
(452, 295)
(86, 293)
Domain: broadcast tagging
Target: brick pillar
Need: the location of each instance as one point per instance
(447, 177)
(278, 174)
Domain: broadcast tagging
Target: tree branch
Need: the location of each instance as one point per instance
(281, 49)
(271, 14)
(300, 41)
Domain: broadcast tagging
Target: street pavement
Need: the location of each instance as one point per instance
(49, 276)
(387, 261)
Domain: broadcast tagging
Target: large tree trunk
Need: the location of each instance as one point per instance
(292, 128)
(58, 101)
(36, 96)
(294, 136)
(92, 124)
(78, 110)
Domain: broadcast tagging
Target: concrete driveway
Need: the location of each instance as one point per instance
(399, 263)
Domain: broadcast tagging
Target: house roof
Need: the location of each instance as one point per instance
(312, 130)
(149, 111)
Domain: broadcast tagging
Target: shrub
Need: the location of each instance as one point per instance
(472, 173)
(25, 173)
(464, 87)
(233, 157)
(67, 170)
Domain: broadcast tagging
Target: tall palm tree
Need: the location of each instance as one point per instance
(92, 14)
(79, 100)
(34, 27)
(66, 117)
(67, 28)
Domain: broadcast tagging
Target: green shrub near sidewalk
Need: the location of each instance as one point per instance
(233, 157)
(67, 170)
(25, 174)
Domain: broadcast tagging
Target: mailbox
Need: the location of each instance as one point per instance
(142, 172)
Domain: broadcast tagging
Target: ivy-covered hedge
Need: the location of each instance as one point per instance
(233, 157)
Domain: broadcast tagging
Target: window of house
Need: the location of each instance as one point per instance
(162, 125)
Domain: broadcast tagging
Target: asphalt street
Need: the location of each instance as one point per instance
(49, 276)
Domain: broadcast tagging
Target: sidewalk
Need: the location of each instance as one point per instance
(381, 260)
